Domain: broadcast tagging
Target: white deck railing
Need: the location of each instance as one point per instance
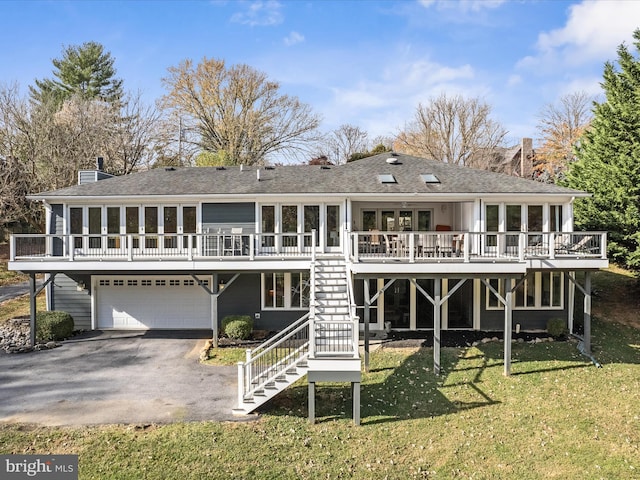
(470, 246)
(165, 246)
(362, 246)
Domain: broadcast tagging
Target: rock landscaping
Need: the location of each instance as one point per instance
(14, 337)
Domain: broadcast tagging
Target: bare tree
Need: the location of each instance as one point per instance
(133, 130)
(239, 111)
(455, 130)
(344, 141)
(560, 126)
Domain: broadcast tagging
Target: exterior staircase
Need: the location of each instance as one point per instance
(325, 338)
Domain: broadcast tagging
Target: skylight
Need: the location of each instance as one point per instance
(387, 178)
(429, 178)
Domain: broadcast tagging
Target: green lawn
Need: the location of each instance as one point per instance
(557, 416)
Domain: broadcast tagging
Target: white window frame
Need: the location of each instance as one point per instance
(287, 292)
(537, 286)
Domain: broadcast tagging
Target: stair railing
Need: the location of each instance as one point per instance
(273, 358)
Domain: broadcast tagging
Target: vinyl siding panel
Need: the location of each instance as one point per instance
(67, 298)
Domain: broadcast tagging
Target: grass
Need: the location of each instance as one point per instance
(19, 307)
(556, 417)
(225, 356)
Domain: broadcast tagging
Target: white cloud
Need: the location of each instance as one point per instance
(293, 38)
(462, 5)
(260, 13)
(593, 31)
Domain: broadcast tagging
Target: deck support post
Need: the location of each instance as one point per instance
(508, 324)
(367, 319)
(32, 309)
(437, 323)
(587, 312)
(332, 377)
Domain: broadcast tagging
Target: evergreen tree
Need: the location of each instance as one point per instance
(608, 161)
(85, 70)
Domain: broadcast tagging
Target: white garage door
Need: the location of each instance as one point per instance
(145, 302)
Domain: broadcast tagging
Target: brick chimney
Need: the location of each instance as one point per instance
(526, 158)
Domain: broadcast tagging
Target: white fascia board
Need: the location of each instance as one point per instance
(450, 268)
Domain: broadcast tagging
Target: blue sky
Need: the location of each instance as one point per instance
(366, 63)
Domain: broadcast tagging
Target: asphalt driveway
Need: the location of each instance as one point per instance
(116, 377)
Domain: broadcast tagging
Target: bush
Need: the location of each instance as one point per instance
(53, 326)
(237, 327)
(557, 327)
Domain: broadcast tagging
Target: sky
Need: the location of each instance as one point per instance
(358, 62)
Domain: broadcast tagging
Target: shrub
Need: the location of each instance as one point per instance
(237, 327)
(557, 327)
(53, 326)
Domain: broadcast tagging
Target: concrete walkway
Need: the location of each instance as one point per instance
(117, 377)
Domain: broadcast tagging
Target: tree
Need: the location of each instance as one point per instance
(454, 130)
(379, 148)
(85, 70)
(560, 127)
(238, 110)
(344, 141)
(608, 163)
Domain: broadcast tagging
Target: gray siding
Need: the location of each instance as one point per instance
(67, 298)
(223, 216)
(242, 297)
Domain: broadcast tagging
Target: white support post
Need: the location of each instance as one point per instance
(522, 242)
(412, 252)
(466, 246)
(12, 248)
(252, 246)
(240, 384)
(353, 244)
(603, 245)
(437, 309)
(313, 245)
(190, 247)
(130, 247)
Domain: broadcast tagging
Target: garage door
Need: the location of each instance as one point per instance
(145, 302)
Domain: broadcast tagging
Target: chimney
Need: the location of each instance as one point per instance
(526, 158)
(99, 164)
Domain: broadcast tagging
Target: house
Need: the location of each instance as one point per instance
(318, 253)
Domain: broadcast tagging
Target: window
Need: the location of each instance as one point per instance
(113, 227)
(95, 227)
(369, 220)
(555, 218)
(170, 215)
(424, 220)
(311, 222)
(132, 223)
(534, 218)
(386, 178)
(268, 225)
(333, 225)
(290, 225)
(145, 283)
(514, 218)
(405, 220)
(429, 178)
(151, 227)
(285, 290)
(492, 224)
(540, 290)
(75, 227)
(132, 283)
(188, 224)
